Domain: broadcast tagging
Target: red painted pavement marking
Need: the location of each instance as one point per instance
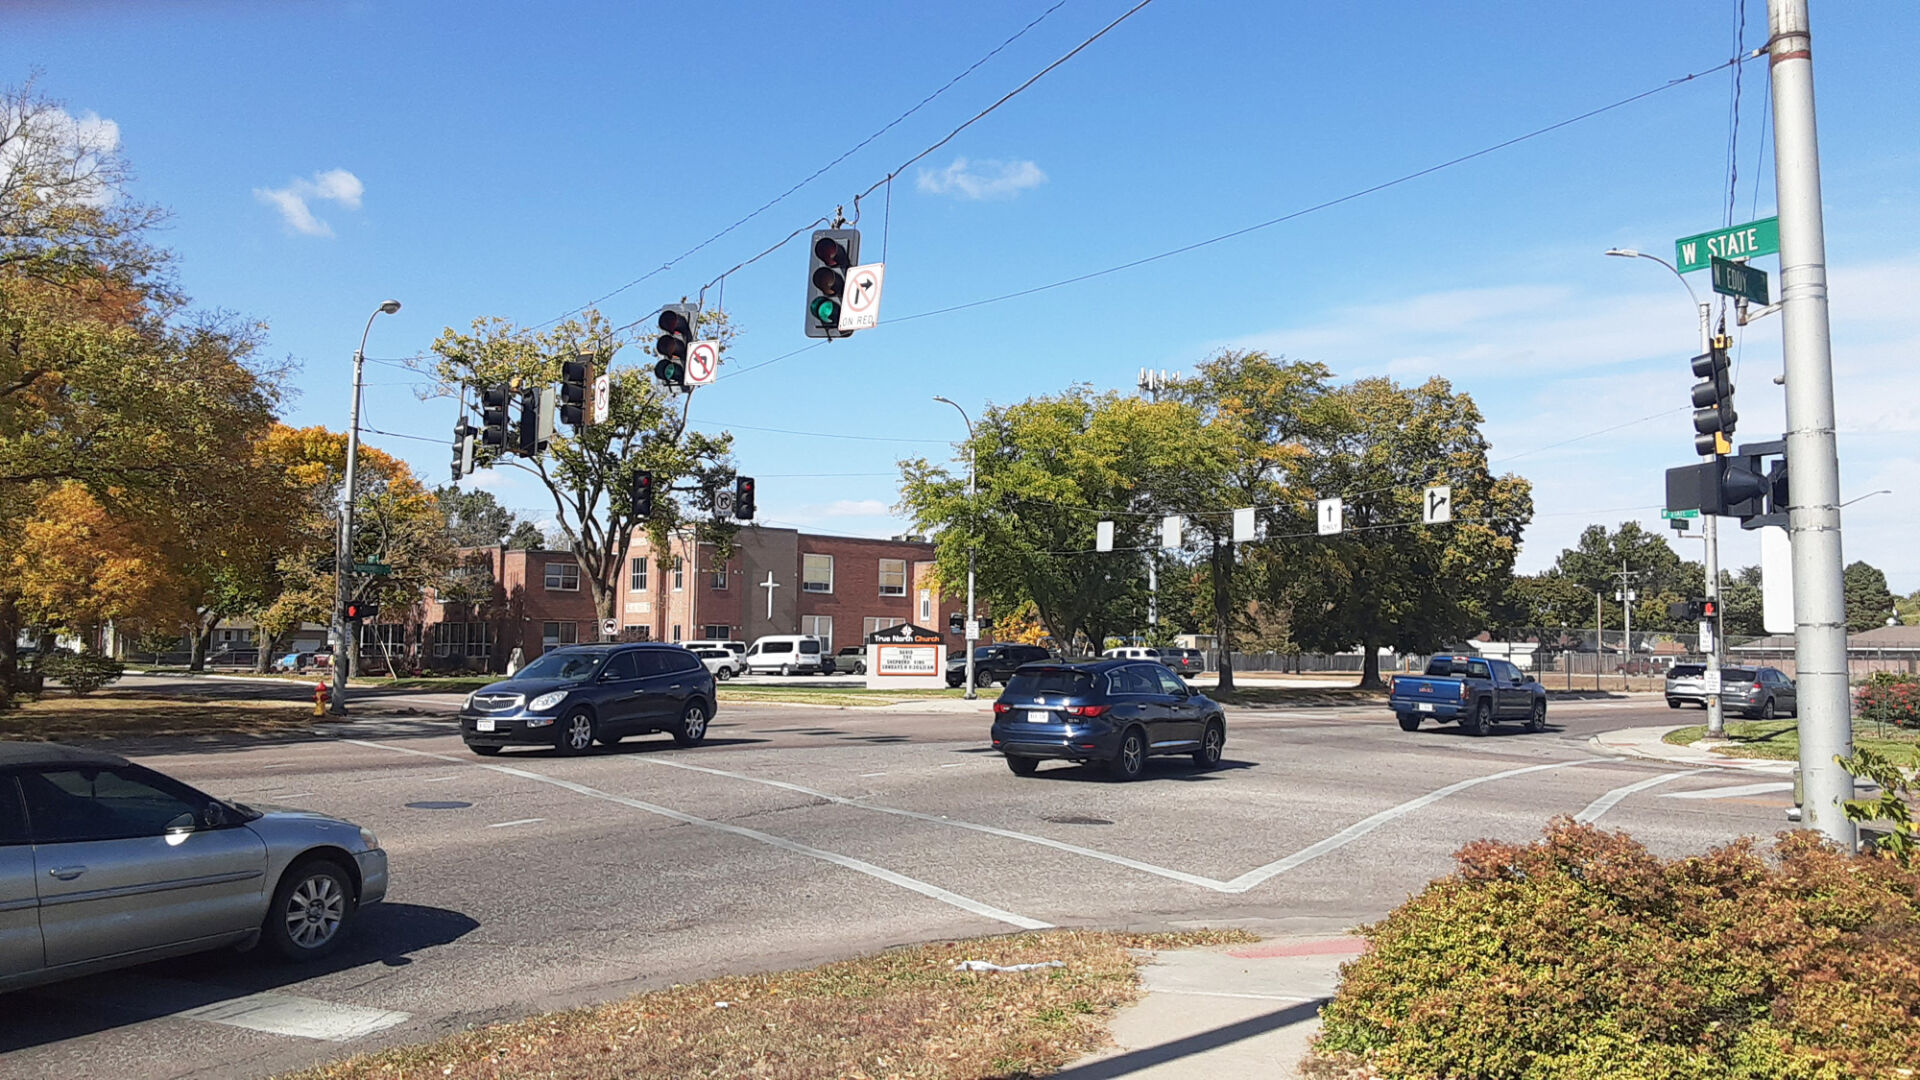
(1272, 949)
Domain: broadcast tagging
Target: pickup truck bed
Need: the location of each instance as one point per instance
(1475, 692)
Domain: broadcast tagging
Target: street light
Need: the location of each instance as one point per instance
(1716, 715)
(345, 643)
(969, 636)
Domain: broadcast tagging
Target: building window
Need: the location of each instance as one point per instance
(563, 577)
(679, 582)
(637, 575)
(676, 628)
(716, 631)
(636, 633)
(893, 577)
(385, 637)
(556, 634)
(717, 576)
(820, 626)
(871, 626)
(926, 606)
(816, 573)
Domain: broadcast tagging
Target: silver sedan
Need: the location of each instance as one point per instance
(104, 864)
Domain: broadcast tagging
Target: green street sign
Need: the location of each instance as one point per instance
(374, 568)
(1761, 237)
(1738, 279)
(1685, 514)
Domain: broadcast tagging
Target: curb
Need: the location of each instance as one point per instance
(1678, 755)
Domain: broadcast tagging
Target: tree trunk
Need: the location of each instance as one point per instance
(9, 650)
(1222, 567)
(269, 645)
(202, 642)
(1370, 664)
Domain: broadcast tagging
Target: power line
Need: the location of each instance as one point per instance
(828, 434)
(817, 173)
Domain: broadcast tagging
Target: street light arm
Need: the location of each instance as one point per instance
(1630, 253)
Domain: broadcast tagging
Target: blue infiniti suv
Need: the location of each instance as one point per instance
(1116, 712)
(573, 697)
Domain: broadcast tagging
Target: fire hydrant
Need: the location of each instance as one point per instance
(321, 695)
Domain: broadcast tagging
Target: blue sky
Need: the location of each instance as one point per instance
(519, 160)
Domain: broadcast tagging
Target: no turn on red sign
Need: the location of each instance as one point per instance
(862, 309)
(703, 362)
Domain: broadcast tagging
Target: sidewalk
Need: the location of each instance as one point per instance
(1645, 742)
(1224, 1013)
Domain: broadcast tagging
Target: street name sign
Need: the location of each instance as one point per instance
(375, 568)
(1439, 505)
(1686, 514)
(1329, 516)
(1755, 238)
(1736, 279)
(703, 362)
(862, 309)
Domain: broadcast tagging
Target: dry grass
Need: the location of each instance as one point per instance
(854, 695)
(62, 717)
(903, 1013)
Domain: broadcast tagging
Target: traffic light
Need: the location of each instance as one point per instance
(1694, 610)
(956, 623)
(575, 378)
(743, 498)
(356, 610)
(642, 494)
(677, 323)
(493, 417)
(835, 251)
(1742, 485)
(463, 434)
(536, 422)
(1713, 415)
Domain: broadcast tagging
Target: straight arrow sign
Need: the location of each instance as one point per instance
(1330, 517)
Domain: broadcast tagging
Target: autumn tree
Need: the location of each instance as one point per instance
(590, 474)
(76, 566)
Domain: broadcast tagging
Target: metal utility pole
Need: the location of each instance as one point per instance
(972, 633)
(1819, 604)
(1599, 636)
(1626, 598)
(346, 645)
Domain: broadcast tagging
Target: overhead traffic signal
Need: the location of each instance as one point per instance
(677, 323)
(575, 378)
(1744, 485)
(463, 434)
(641, 494)
(536, 422)
(1713, 415)
(493, 417)
(743, 498)
(357, 610)
(835, 251)
(1694, 610)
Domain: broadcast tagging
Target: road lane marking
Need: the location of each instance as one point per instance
(1361, 828)
(271, 1012)
(911, 884)
(1612, 798)
(509, 824)
(1732, 792)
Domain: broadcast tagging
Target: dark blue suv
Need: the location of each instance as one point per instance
(573, 697)
(1116, 712)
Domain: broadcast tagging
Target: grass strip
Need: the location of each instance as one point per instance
(110, 715)
(1779, 740)
(901, 1013)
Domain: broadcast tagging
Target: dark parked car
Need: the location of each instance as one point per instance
(851, 660)
(1116, 712)
(105, 864)
(573, 697)
(1759, 693)
(1476, 691)
(992, 663)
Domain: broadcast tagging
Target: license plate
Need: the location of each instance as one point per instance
(1425, 706)
(1039, 717)
(484, 724)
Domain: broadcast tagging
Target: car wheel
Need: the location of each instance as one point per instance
(786, 669)
(1766, 710)
(1023, 766)
(1131, 759)
(860, 669)
(1538, 721)
(1478, 721)
(982, 678)
(1212, 744)
(483, 751)
(1672, 704)
(1409, 721)
(576, 732)
(311, 910)
(693, 725)
(723, 674)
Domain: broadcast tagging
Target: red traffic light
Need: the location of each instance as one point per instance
(831, 252)
(1709, 609)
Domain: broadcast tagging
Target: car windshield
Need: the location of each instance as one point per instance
(1737, 674)
(1686, 671)
(562, 665)
(1032, 682)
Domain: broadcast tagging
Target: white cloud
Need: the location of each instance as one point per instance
(334, 185)
(981, 179)
(77, 146)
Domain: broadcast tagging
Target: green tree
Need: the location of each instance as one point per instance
(526, 535)
(1387, 579)
(590, 474)
(1741, 603)
(1545, 600)
(1869, 602)
(474, 518)
(1909, 608)
(1660, 576)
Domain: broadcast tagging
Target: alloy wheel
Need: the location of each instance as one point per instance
(315, 910)
(579, 732)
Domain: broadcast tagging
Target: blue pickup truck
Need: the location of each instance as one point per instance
(1476, 691)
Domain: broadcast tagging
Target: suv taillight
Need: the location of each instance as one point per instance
(1001, 707)
(1086, 710)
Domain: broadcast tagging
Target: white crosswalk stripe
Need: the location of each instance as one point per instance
(1733, 792)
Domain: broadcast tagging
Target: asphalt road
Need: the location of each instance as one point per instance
(530, 882)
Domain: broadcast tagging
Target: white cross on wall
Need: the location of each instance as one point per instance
(769, 585)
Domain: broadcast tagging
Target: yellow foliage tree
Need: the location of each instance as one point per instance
(76, 566)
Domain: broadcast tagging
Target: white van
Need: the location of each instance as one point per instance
(737, 648)
(784, 654)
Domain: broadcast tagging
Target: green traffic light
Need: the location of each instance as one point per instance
(827, 310)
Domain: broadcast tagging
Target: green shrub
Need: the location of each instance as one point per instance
(1886, 698)
(83, 673)
(1584, 956)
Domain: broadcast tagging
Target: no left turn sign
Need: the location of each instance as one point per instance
(703, 362)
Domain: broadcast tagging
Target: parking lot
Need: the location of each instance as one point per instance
(530, 882)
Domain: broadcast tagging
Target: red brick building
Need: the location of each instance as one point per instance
(777, 581)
